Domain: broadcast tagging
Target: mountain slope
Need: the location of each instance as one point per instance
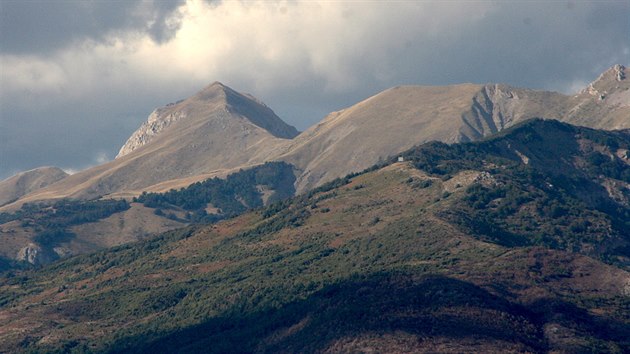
(604, 103)
(198, 106)
(215, 130)
(219, 130)
(392, 121)
(399, 118)
(41, 233)
(387, 260)
(26, 182)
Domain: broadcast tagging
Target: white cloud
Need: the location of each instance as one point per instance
(101, 158)
(263, 43)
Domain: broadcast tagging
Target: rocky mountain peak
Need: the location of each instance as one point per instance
(612, 80)
(616, 72)
(205, 104)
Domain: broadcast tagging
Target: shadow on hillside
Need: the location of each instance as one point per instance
(380, 304)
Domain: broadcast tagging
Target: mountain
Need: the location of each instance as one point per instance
(29, 181)
(218, 131)
(202, 105)
(516, 243)
(397, 119)
(40, 233)
(211, 133)
(604, 103)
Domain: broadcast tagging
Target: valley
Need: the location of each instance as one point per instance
(197, 176)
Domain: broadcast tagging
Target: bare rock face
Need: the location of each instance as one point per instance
(34, 254)
(158, 121)
(620, 72)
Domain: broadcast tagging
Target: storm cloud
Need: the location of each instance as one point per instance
(77, 78)
(42, 27)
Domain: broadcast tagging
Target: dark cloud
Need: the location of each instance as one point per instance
(70, 102)
(36, 27)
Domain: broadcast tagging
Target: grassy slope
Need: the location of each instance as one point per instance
(371, 264)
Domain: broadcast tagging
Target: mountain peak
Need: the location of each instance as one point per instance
(29, 181)
(224, 92)
(217, 85)
(609, 81)
(216, 92)
(619, 72)
(616, 73)
(211, 102)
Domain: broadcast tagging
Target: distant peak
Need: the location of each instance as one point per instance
(610, 80)
(217, 84)
(214, 97)
(217, 88)
(44, 170)
(214, 86)
(616, 72)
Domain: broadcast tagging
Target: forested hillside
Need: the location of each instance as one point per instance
(230, 196)
(51, 232)
(469, 247)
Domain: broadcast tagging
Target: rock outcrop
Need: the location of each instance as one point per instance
(620, 72)
(604, 103)
(35, 254)
(157, 121)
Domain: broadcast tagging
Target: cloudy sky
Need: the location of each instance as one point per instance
(78, 77)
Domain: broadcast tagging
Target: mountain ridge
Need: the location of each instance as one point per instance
(26, 182)
(207, 133)
(345, 141)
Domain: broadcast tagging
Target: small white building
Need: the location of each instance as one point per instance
(401, 159)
